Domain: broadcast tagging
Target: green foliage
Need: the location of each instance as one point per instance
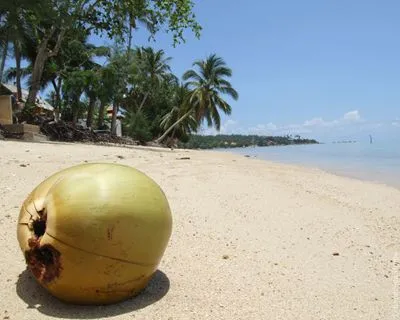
(49, 21)
(208, 84)
(173, 16)
(180, 107)
(136, 126)
(239, 141)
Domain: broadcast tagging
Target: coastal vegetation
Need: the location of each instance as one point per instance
(84, 81)
(92, 88)
(240, 141)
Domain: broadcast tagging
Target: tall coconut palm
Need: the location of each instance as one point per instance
(207, 86)
(18, 31)
(152, 69)
(4, 47)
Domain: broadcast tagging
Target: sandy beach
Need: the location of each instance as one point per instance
(251, 239)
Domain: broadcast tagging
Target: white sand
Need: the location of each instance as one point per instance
(251, 239)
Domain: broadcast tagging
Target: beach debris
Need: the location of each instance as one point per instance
(183, 158)
(225, 257)
(23, 165)
(79, 247)
(4, 133)
(335, 253)
(120, 157)
(64, 131)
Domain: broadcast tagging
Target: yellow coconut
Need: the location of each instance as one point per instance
(95, 233)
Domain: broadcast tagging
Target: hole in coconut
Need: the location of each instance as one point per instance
(39, 226)
(44, 262)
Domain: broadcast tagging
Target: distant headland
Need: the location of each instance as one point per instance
(240, 141)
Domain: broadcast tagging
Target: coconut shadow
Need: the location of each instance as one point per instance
(38, 298)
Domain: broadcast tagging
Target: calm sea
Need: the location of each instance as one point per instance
(379, 162)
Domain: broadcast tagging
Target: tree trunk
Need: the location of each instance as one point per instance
(17, 53)
(41, 58)
(132, 25)
(89, 119)
(164, 135)
(100, 120)
(143, 102)
(173, 133)
(114, 119)
(129, 42)
(75, 117)
(75, 110)
(3, 59)
(37, 72)
(57, 100)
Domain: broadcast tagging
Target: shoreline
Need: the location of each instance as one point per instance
(219, 151)
(314, 168)
(252, 239)
(305, 166)
(366, 174)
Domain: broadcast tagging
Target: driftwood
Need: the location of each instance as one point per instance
(68, 132)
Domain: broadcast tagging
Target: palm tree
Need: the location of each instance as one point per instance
(152, 69)
(207, 85)
(75, 54)
(4, 41)
(17, 30)
(178, 109)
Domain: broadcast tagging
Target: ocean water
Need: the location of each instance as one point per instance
(378, 162)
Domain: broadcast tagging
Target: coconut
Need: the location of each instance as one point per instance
(95, 233)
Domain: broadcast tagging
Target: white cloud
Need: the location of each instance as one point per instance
(319, 122)
(352, 116)
(349, 122)
(263, 129)
(314, 122)
(348, 117)
(227, 127)
(307, 126)
(230, 122)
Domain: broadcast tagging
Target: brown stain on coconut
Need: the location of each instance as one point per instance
(110, 231)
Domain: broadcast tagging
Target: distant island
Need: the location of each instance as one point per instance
(240, 141)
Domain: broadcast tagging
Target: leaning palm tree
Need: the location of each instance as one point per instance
(178, 109)
(207, 85)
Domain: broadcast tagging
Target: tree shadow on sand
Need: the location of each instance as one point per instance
(38, 298)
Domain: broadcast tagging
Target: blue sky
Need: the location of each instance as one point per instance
(324, 69)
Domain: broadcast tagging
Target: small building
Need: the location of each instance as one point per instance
(9, 106)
